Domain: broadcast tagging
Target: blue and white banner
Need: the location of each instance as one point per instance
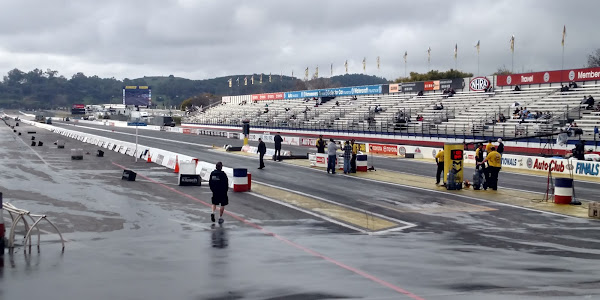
(345, 91)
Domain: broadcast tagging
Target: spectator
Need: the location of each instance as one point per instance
(419, 118)
(420, 93)
(439, 159)
(517, 88)
(262, 149)
(439, 106)
(337, 103)
(500, 148)
(277, 139)
(331, 156)
(320, 145)
(502, 118)
(347, 156)
(564, 88)
(572, 84)
(494, 160)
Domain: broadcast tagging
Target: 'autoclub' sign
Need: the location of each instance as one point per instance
(587, 74)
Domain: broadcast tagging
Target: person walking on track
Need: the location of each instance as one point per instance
(219, 184)
(439, 159)
(331, 156)
(262, 149)
(277, 139)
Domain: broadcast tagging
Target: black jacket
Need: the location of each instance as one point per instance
(219, 183)
(278, 141)
(500, 148)
(262, 148)
(320, 146)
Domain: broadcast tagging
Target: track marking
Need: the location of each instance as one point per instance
(445, 193)
(295, 245)
(406, 224)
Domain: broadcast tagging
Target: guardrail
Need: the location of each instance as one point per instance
(19, 215)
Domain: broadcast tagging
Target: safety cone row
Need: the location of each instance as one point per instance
(176, 164)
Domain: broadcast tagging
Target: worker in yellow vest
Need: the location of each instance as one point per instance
(355, 148)
(488, 147)
(494, 160)
(439, 159)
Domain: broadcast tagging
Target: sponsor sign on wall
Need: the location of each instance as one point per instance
(268, 96)
(586, 74)
(345, 91)
(383, 149)
(394, 88)
(479, 84)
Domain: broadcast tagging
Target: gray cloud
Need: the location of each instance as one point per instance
(205, 39)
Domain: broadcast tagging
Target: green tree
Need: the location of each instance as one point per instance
(433, 75)
(594, 59)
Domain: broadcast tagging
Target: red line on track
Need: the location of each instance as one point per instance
(284, 240)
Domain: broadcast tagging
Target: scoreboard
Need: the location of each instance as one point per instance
(140, 95)
(78, 109)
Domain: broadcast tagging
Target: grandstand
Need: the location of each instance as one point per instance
(466, 113)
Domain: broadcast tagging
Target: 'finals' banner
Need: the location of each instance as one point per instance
(587, 74)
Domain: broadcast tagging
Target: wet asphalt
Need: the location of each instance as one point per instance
(151, 239)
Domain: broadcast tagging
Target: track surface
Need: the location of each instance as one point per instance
(152, 239)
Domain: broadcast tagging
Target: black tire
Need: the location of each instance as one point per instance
(2, 243)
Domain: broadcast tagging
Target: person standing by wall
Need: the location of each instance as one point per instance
(219, 185)
(439, 159)
(320, 145)
(500, 148)
(277, 139)
(347, 157)
(331, 156)
(481, 167)
(262, 149)
(494, 160)
(355, 148)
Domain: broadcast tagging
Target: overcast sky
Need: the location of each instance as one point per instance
(201, 39)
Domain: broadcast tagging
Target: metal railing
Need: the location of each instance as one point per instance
(20, 215)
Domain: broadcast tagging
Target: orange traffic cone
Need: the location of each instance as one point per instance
(176, 164)
(149, 157)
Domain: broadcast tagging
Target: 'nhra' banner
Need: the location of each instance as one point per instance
(549, 77)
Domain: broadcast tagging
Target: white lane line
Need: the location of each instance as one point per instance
(39, 156)
(308, 212)
(406, 224)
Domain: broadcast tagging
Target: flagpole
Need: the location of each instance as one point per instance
(477, 63)
(512, 68)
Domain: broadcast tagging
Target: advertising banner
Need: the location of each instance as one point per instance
(586, 74)
(268, 96)
(413, 87)
(383, 149)
(345, 91)
(394, 88)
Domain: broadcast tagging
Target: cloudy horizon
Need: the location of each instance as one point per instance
(207, 39)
